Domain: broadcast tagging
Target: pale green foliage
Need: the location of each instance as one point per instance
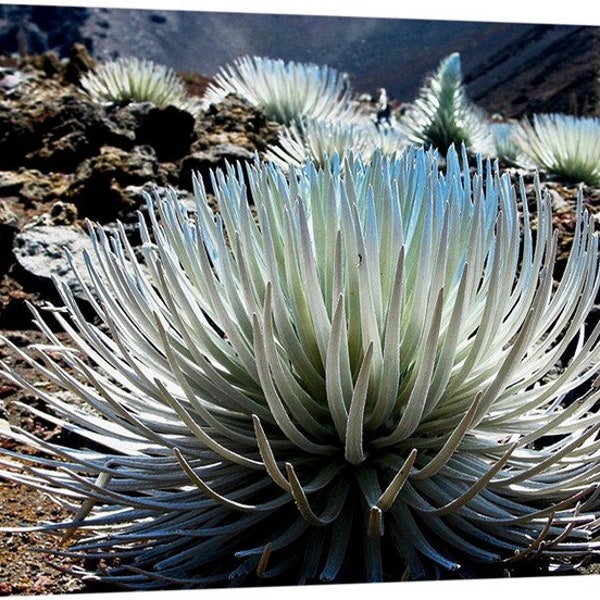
(320, 140)
(564, 145)
(285, 91)
(505, 146)
(127, 80)
(443, 114)
(354, 380)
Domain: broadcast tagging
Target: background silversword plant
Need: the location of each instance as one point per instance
(443, 114)
(285, 91)
(564, 145)
(130, 79)
(505, 147)
(320, 140)
(356, 380)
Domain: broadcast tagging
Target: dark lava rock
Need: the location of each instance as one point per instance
(56, 143)
(169, 130)
(236, 121)
(9, 226)
(79, 62)
(203, 162)
(30, 187)
(52, 126)
(98, 187)
(16, 137)
(70, 129)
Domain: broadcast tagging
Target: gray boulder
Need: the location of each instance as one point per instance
(42, 252)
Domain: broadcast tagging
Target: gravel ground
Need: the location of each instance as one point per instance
(23, 570)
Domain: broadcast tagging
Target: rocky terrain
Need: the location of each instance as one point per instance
(65, 161)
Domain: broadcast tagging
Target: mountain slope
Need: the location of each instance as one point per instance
(510, 68)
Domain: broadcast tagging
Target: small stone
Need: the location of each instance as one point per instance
(60, 213)
(6, 589)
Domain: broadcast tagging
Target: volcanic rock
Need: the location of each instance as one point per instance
(42, 252)
(97, 189)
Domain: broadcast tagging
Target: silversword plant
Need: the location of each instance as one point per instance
(505, 147)
(565, 146)
(444, 115)
(320, 140)
(363, 377)
(285, 91)
(130, 79)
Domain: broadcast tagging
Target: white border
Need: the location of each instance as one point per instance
(548, 588)
(570, 12)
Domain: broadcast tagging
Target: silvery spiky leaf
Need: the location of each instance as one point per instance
(131, 79)
(285, 91)
(320, 140)
(564, 145)
(443, 114)
(506, 148)
(360, 378)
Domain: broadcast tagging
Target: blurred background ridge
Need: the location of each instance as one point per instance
(510, 68)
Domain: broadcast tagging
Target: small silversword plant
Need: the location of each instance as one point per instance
(126, 80)
(320, 140)
(285, 91)
(361, 377)
(565, 146)
(505, 147)
(443, 114)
